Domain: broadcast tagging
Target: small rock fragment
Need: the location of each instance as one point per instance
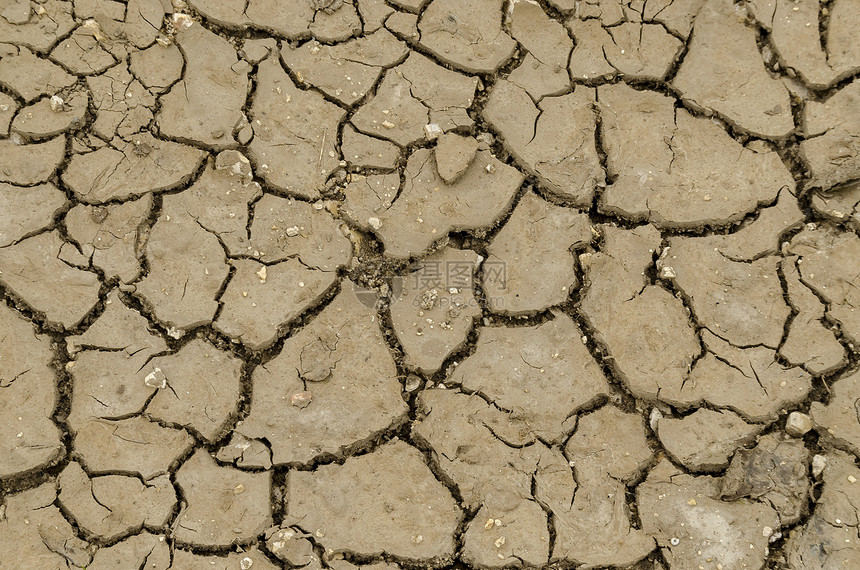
(797, 424)
(454, 154)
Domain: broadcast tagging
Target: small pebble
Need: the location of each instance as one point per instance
(797, 424)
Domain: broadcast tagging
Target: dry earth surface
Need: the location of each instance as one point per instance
(421, 284)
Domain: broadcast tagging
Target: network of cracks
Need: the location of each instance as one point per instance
(429, 284)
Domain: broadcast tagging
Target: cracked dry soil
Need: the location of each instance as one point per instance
(429, 284)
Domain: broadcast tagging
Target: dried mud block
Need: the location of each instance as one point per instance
(367, 198)
(588, 59)
(134, 445)
(186, 270)
(158, 67)
(774, 472)
(35, 29)
(333, 385)
(760, 236)
(284, 229)
(143, 19)
(111, 506)
(261, 300)
(475, 201)
(748, 381)
(394, 113)
(198, 388)
(407, 97)
(841, 204)
(677, 170)
(692, 526)
(373, 14)
(225, 506)
(649, 353)
(50, 117)
(829, 537)
(294, 20)
(220, 199)
(28, 437)
(810, 342)
(523, 539)
(251, 558)
(493, 459)
(245, 452)
(8, 108)
(724, 72)
(794, 31)
(144, 164)
(34, 532)
(608, 450)
(403, 25)
(82, 53)
(534, 253)
(256, 50)
(436, 308)
(344, 565)
(739, 301)
(705, 440)
(529, 371)
(829, 263)
(454, 154)
(347, 71)
(107, 365)
(636, 50)
(144, 551)
(839, 420)
(295, 133)
(111, 236)
(121, 330)
(466, 34)
(362, 151)
(553, 141)
(30, 76)
(676, 15)
(401, 503)
(414, 6)
(832, 150)
(32, 270)
(206, 105)
(123, 105)
(543, 69)
(27, 209)
(843, 47)
(28, 164)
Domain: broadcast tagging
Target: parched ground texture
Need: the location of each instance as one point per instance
(429, 284)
